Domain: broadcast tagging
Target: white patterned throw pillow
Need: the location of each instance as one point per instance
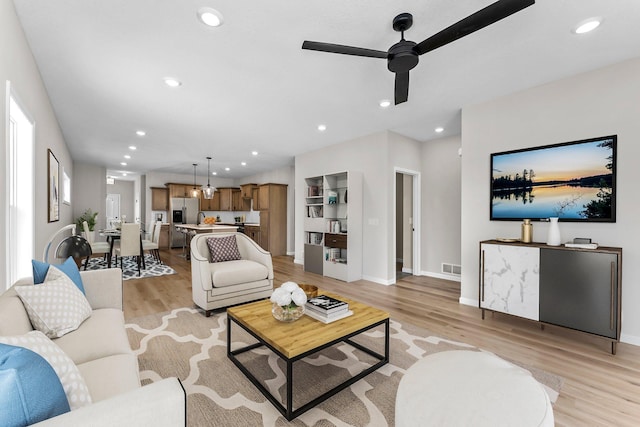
(72, 382)
(56, 306)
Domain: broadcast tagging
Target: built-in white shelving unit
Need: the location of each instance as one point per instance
(333, 225)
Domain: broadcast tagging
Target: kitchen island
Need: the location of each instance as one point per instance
(190, 230)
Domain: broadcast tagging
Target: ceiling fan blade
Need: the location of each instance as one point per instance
(482, 18)
(345, 50)
(402, 87)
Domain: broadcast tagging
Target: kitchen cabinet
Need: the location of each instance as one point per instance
(273, 219)
(253, 231)
(163, 240)
(575, 288)
(159, 199)
(236, 200)
(226, 198)
(179, 190)
(247, 190)
(210, 204)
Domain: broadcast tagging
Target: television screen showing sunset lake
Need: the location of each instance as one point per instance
(572, 181)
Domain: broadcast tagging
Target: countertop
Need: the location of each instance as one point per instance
(207, 227)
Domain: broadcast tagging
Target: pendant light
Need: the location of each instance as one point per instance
(208, 191)
(194, 192)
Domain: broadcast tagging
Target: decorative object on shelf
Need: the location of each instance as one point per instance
(553, 236)
(208, 191)
(332, 197)
(53, 188)
(527, 231)
(288, 302)
(194, 191)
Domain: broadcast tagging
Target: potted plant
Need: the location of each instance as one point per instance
(88, 216)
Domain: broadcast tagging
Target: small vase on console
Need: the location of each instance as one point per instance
(553, 236)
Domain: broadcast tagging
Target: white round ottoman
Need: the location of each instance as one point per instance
(470, 388)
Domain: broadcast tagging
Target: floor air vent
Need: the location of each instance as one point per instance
(451, 269)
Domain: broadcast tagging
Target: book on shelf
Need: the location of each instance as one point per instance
(315, 191)
(315, 211)
(328, 319)
(315, 238)
(327, 305)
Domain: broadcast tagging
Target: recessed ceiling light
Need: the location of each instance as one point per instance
(124, 174)
(171, 82)
(587, 25)
(439, 129)
(227, 169)
(133, 147)
(243, 163)
(385, 103)
(214, 173)
(322, 128)
(126, 156)
(210, 17)
(140, 133)
(254, 153)
(123, 163)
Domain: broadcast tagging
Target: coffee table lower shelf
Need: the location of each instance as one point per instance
(288, 412)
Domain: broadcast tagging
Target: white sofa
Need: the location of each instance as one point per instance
(101, 351)
(221, 284)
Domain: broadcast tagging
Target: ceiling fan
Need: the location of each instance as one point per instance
(404, 55)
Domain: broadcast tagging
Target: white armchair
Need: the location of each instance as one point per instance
(221, 284)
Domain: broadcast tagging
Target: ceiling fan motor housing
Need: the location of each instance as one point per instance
(402, 56)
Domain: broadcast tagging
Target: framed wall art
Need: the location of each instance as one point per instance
(53, 187)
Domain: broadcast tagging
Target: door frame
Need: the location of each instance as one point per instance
(416, 214)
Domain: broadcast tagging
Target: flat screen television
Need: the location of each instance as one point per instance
(575, 181)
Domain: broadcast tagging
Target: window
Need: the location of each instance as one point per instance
(20, 191)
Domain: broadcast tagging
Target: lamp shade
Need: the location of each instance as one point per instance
(74, 246)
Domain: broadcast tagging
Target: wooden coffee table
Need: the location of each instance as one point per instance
(297, 340)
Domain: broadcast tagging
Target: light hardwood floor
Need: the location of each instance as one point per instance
(599, 388)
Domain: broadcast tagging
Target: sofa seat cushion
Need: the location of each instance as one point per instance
(231, 273)
(110, 376)
(103, 334)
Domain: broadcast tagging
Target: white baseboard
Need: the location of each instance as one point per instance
(630, 339)
(291, 253)
(407, 270)
(452, 277)
(379, 281)
(298, 261)
(468, 301)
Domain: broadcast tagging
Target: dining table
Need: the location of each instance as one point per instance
(114, 234)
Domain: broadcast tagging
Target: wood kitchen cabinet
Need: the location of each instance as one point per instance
(179, 190)
(246, 190)
(210, 204)
(253, 231)
(163, 240)
(159, 199)
(236, 200)
(226, 198)
(273, 218)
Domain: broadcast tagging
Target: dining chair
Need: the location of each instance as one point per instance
(96, 247)
(144, 240)
(130, 244)
(154, 245)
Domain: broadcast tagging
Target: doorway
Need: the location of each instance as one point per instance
(113, 209)
(407, 215)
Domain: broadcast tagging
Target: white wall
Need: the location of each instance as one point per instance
(598, 103)
(376, 157)
(18, 66)
(89, 191)
(441, 183)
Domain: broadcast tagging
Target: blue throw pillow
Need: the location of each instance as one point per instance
(68, 267)
(30, 389)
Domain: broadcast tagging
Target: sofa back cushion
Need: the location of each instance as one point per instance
(223, 249)
(14, 319)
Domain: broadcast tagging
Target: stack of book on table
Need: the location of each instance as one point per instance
(327, 309)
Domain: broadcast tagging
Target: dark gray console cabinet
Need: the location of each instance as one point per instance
(577, 288)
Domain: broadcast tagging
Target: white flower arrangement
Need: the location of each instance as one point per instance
(289, 295)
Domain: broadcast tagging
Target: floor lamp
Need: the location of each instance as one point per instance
(73, 246)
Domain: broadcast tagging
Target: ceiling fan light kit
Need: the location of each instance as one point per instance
(405, 55)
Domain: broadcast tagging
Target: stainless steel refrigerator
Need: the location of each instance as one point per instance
(183, 211)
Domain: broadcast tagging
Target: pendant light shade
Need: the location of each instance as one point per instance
(194, 192)
(208, 191)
